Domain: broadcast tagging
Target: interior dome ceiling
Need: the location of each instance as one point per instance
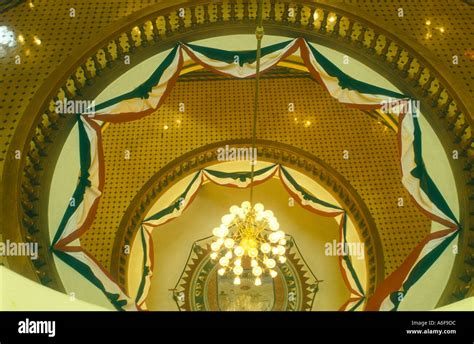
(416, 72)
(372, 169)
(369, 38)
(115, 242)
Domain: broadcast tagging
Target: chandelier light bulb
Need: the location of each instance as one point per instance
(239, 251)
(227, 219)
(238, 262)
(229, 243)
(281, 250)
(234, 210)
(257, 271)
(258, 281)
(228, 255)
(221, 271)
(215, 246)
(238, 270)
(265, 247)
(214, 255)
(259, 207)
(268, 214)
(282, 259)
(253, 252)
(282, 242)
(270, 263)
(246, 205)
(237, 280)
(273, 273)
(274, 237)
(220, 232)
(224, 261)
(253, 263)
(274, 226)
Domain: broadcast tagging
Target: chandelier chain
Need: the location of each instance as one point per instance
(259, 35)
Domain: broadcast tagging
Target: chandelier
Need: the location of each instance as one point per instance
(249, 238)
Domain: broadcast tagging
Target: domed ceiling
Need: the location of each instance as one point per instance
(296, 117)
(204, 108)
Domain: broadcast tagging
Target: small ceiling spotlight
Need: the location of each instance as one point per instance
(37, 40)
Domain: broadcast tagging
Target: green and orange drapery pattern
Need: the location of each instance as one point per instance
(147, 97)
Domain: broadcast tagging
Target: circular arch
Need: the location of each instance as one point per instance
(268, 151)
(35, 142)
